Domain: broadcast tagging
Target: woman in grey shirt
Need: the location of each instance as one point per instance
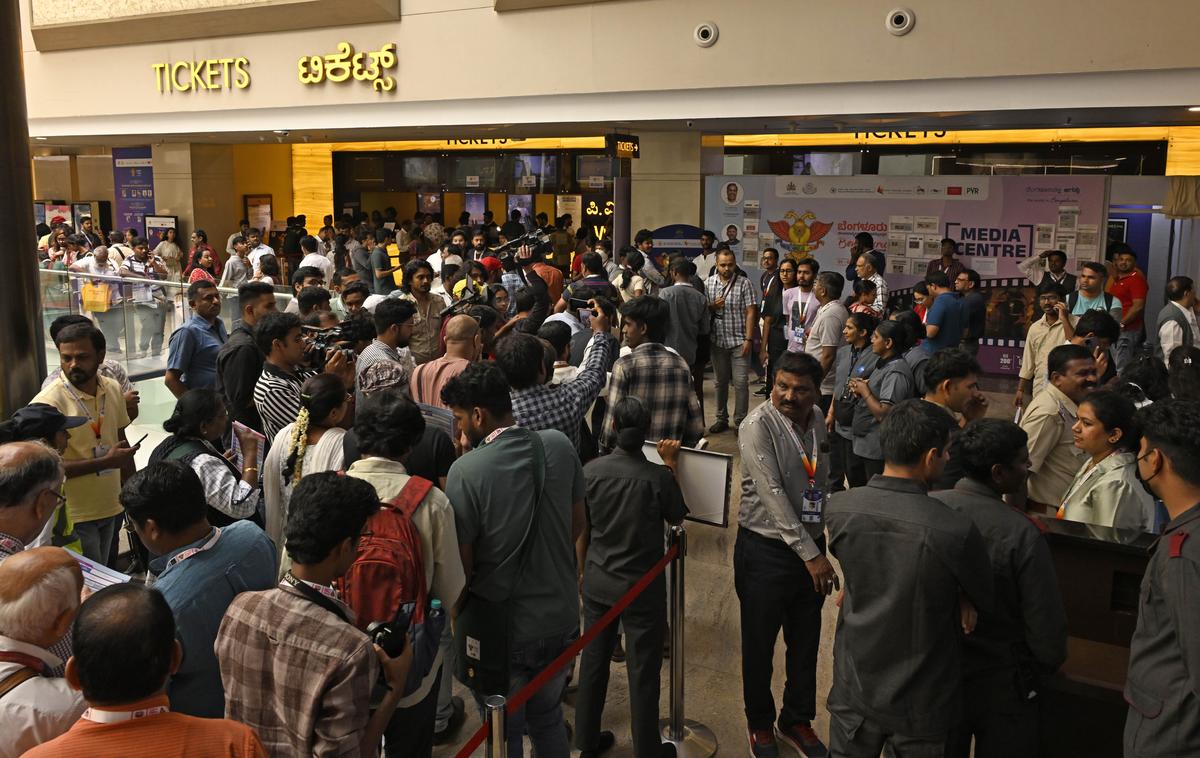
(854, 359)
(891, 382)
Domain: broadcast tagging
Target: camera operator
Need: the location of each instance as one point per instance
(523, 265)
(277, 393)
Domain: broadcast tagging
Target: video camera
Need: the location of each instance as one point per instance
(340, 337)
(537, 241)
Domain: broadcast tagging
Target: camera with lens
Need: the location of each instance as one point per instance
(537, 241)
(393, 635)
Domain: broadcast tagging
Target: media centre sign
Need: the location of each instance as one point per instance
(233, 73)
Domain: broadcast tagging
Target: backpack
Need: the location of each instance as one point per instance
(388, 570)
(1073, 298)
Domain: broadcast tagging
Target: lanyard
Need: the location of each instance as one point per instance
(496, 434)
(318, 594)
(183, 555)
(96, 423)
(810, 462)
(1062, 509)
(116, 717)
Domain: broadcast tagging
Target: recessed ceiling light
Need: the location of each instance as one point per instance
(1195, 109)
(280, 131)
(43, 139)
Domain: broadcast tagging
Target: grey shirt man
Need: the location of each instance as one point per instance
(1164, 655)
(906, 558)
(689, 319)
(774, 477)
(1027, 628)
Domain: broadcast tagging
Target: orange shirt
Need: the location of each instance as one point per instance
(164, 735)
(554, 281)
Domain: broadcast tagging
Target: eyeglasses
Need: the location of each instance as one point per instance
(1141, 458)
(58, 496)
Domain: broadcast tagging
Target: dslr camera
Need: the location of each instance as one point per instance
(393, 635)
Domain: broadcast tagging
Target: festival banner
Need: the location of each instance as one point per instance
(133, 185)
(998, 222)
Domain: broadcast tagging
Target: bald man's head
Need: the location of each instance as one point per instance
(39, 592)
(462, 328)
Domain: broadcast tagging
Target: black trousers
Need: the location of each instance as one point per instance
(839, 458)
(775, 592)
(1002, 721)
(859, 470)
(645, 626)
(409, 734)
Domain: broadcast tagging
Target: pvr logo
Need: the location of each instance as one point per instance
(972, 190)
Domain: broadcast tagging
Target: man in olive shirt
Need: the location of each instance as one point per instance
(912, 569)
(511, 477)
(780, 571)
(1024, 640)
(1053, 457)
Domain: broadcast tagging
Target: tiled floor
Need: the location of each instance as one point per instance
(712, 657)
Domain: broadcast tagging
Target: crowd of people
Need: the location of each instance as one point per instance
(430, 466)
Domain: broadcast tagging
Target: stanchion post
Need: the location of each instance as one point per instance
(497, 744)
(690, 738)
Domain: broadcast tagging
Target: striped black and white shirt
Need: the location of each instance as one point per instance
(277, 397)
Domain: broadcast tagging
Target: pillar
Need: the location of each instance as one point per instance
(666, 181)
(24, 358)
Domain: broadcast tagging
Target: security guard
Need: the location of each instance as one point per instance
(1163, 686)
(1024, 639)
(911, 567)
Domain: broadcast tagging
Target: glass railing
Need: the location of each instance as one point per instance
(137, 316)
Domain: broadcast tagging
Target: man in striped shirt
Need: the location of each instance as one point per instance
(277, 393)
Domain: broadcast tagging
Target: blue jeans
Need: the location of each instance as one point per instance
(542, 715)
(97, 537)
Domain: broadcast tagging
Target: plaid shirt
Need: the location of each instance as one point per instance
(881, 293)
(295, 673)
(663, 381)
(729, 324)
(561, 406)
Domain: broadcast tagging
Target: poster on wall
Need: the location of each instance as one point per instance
(258, 211)
(133, 187)
(58, 213)
(569, 205)
(997, 221)
(39, 213)
(78, 212)
(157, 226)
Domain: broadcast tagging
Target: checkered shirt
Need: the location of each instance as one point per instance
(295, 673)
(663, 382)
(729, 327)
(562, 406)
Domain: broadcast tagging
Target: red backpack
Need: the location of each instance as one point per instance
(388, 570)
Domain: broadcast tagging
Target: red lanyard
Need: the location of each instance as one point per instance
(810, 462)
(26, 660)
(96, 423)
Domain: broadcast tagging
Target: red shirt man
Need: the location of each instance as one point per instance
(1129, 284)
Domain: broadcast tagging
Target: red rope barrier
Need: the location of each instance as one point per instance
(540, 680)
